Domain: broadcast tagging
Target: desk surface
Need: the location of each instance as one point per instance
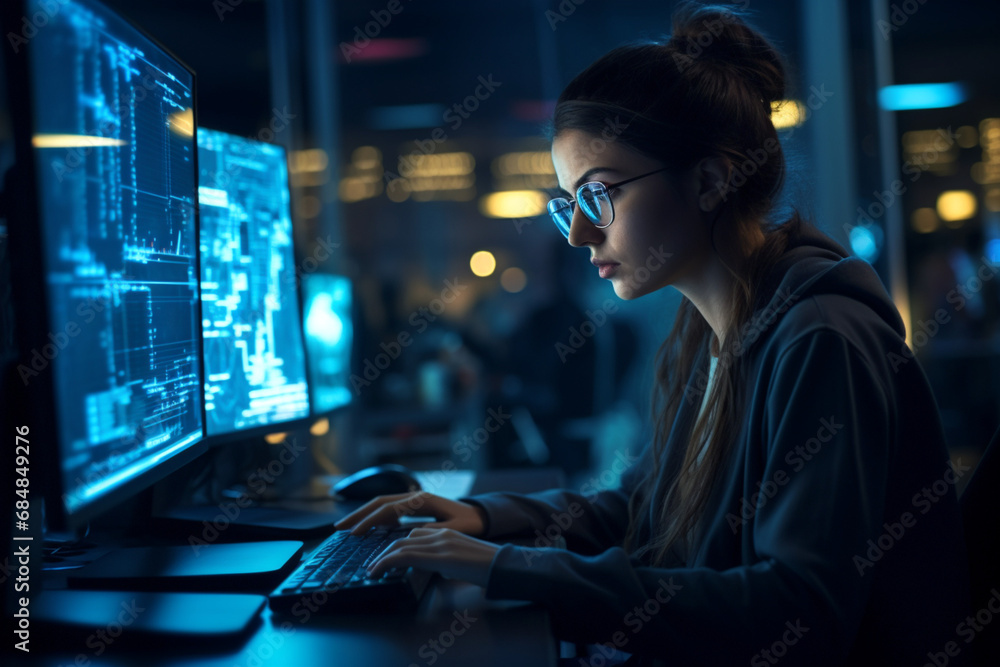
(454, 625)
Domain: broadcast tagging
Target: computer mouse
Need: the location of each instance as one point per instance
(376, 481)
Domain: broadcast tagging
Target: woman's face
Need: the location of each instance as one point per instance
(659, 233)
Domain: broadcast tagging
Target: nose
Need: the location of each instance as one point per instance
(582, 231)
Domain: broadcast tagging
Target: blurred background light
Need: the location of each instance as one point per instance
(904, 97)
(73, 141)
(866, 241)
(924, 220)
(513, 204)
(956, 205)
(483, 263)
(513, 280)
(787, 113)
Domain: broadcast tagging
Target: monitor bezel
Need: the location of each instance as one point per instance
(37, 400)
(287, 426)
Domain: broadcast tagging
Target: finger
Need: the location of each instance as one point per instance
(366, 509)
(427, 530)
(388, 513)
(427, 540)
(403, 558)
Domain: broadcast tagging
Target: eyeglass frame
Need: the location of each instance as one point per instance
(608, 187)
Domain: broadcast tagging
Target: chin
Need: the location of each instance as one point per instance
(629, 290)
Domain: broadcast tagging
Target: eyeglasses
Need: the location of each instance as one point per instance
(595, 201)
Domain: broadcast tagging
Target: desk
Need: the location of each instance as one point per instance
(454, 625)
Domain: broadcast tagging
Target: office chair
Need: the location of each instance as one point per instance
(980, 505)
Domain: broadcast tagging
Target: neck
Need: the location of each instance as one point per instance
(710, 288)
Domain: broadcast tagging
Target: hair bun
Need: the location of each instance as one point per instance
(713, 37)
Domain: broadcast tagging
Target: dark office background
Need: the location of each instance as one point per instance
(359, 103)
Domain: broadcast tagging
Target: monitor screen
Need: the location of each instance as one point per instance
(329, 331)
(114, 148)
(255, 365)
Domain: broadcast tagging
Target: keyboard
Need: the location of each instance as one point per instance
(333, 578)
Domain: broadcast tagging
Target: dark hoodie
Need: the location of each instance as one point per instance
(833, 535)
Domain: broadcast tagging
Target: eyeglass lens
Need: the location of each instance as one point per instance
(594, 201)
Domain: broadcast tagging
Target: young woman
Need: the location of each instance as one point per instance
(797, 501)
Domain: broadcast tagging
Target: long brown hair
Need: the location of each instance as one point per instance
(706, 91)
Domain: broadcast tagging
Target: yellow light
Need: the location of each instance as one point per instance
(320, 427)
(924, 220)
(441, 164)
(989, 130)
(366, 157)
(352, 190)
(985, 173)
(72, 141)
(787, 113)
(992, 200)
(956, 205)
(275, 438)
(442, 182)
(182, 122)
(483, 263)
(310, 179)
(309, 160)
(919, 141)
(513, 204)
(967, 136)
(513, 280)
(526, 164)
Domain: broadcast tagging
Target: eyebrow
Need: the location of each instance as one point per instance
(586, 176)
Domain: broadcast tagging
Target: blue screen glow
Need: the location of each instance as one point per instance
(114, 146)
(904, 97)
(255, 366)
(329, 335)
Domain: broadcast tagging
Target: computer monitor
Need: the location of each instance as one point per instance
(103, 237)
(255, 360)
(329, 327)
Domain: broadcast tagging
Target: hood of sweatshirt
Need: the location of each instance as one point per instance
(815, 264)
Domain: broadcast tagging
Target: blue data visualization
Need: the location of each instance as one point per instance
(115, 153)
(255, 364)
(329, 337)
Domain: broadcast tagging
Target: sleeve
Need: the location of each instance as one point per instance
(590, 520)
(797, 591)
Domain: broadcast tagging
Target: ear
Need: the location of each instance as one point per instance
(713, 175)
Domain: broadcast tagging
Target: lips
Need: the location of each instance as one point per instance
(605, 269)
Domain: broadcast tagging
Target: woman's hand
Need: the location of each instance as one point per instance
(454, 555)
(386, 510)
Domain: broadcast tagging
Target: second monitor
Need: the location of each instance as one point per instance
(255, 360)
